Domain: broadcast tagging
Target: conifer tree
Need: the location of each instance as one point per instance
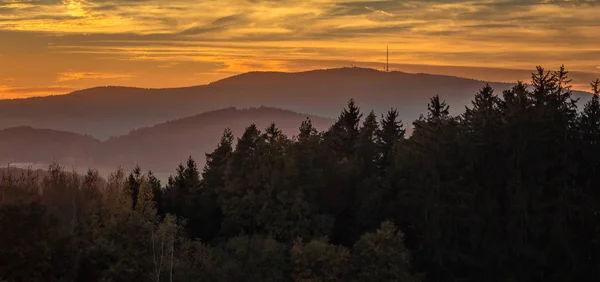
(157, 192)
(507, 191)
(430, 179)
(391, 133)
(213, 180)
(437, 109)
(241, 196)
(590, 117)
(367, 153)
(306, 130)
(344, 133)
(183, 195)
(133, 184)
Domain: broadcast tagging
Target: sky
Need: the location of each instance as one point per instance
(57, 46)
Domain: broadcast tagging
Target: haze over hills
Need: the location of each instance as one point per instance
(162, 147)
(30, 145)
(159, 148)
(110, 111)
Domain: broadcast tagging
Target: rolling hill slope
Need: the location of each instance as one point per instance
(163, 146)
(110, 111)
(159, 148)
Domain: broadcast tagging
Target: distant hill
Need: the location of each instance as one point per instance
(159, 148)
(109, 111)
(162, 147)
(30, 145)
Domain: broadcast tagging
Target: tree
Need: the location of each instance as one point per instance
(182, 196)
(391, 133)
(157, 192)
(382, 256)
(213, 181)
(343, 135)
(318, 260)
(426, 176)
(134, 244)
(309, 158)
(588, 217)
(133, 184)
(261, 195)
(506, 191)
(484, 113)
(122, 241)
(437, 109)
(60, 193)
(243, 194)
(33, 246)
(252, 258)
(590, 117)
(367, 153)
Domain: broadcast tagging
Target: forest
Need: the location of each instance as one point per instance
(506, 191)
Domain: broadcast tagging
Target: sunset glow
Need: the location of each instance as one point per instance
(56, 46)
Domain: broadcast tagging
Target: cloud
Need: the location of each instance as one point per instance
(70, 76)
(169, 39)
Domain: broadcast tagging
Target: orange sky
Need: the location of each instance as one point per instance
(56, 46)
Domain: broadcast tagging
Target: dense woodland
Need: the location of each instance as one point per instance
(507, 191)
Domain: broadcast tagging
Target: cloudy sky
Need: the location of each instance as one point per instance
(56, 46)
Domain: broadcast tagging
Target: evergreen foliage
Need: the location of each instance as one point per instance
(506, 191)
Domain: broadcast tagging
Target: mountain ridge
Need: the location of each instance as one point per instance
(113, 110)
(159, 148)
(234, 77)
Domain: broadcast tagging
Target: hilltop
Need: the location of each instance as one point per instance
(110, 111)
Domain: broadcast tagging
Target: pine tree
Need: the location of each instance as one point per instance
(306, 130)
(344, 133)
(588, 217)
(183, 193)
(590, 117)
(367, 153)
(391, 133)
(437, 109)
(157, 192)
(272, 133)
(213, 181)
(241, 196)
(145, 206)
(133, 184)
(426, 183)
(485, 110)
(309, 158)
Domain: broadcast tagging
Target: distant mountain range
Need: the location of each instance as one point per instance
(107, 127)
(111, 111)
(25, 144)
(159, 148)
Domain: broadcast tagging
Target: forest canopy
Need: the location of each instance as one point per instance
(506, 191)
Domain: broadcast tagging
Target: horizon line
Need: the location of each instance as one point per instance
(352, 66)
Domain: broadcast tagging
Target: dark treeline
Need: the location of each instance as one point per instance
(507, 191)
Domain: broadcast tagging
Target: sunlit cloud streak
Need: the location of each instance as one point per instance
(176, 42)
